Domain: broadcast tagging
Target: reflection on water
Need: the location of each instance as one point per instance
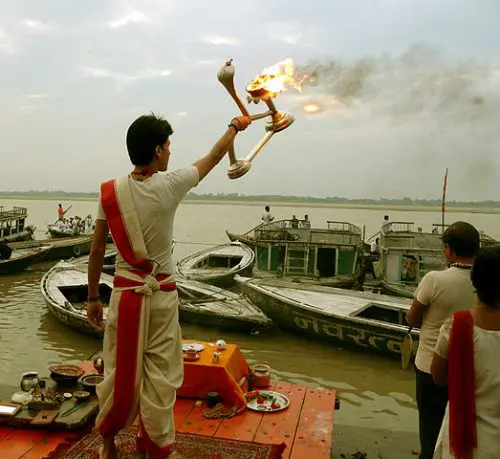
(374, 391)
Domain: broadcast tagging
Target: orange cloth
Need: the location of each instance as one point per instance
(203, 376)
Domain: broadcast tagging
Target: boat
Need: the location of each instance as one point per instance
(20, 259)
(323, 256)
(64, 288)
(362, 320)
(60, 249)
(211, 306)
(13, 225)
(109, 260)
(407, 255)
(57, 231)
(218, 265)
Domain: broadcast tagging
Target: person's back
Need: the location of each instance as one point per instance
(267, 217)
(156, 200)
(447, 291)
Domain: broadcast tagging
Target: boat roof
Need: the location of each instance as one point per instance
(331, 301)
(16, 213)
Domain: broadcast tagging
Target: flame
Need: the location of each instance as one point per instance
(276, 78)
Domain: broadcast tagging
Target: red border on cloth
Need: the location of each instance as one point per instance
(462, 386)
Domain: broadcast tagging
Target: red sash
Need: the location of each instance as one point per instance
(462, 386)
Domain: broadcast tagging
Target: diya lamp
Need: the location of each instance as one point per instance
(264, 88)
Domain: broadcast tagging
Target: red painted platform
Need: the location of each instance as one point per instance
(306, 427)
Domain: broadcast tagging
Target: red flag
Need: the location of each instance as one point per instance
(443, 205)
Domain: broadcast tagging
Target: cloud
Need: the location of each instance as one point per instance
(133, 16)
(221, 40)
(36, 26)
(147, 73)
(6, 44)
(294, 33)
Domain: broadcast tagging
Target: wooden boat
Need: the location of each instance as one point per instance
(218, 265)
(61, 249)
(20, 259)
(323, 256)
(361, 320)
(13, 225)
(109, 260)
(56, 231)
(64, 288)
(211, 306)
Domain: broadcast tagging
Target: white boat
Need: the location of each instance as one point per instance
(218, 265)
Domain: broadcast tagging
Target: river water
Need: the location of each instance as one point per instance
(374, 391)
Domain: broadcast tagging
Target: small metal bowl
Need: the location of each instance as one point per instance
(89, 382)
(81, 395)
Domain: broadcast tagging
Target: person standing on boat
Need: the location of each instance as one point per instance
(438, 295)
(60, 212)
(267, 217)
(306, 223)
(142, 349)
(385, 223)
(466, 358)
(294, 222)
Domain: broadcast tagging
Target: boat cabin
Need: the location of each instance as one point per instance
(283, 248)
(407, 255)
(12, 222)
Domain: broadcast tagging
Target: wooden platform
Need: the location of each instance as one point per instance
(306, 427)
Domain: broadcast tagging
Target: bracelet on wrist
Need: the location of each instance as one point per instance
(234, 126)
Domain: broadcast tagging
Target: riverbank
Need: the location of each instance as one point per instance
(364, 443)
(291, 203)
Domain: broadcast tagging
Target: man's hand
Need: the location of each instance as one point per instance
(241, 122)
(94, 315)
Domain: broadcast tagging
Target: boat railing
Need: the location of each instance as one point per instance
(397, 227)
(343, 227)
(14, 213)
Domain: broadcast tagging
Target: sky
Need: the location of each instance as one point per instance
(406, 88)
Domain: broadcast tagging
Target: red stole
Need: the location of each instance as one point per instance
(462, 386)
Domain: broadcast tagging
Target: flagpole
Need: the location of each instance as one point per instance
(443, 202)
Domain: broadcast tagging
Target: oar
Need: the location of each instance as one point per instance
(406, 349)
(63, 213)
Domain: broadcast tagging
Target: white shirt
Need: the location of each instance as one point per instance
(156, 200)
(267, 217)
(443, 292)
(373, 247)
(487, 379)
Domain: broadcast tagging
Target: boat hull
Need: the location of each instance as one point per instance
(19, 264)
(61, 249)
(334, 330)
(391, 288)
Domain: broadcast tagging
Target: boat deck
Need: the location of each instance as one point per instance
(306, 427)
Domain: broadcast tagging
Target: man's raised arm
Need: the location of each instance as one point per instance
(218, 151)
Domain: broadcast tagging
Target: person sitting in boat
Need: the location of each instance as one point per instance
(306, 223)
(5, 251)
(267, 217)
(465, 359)
(88, 224)
(294, 222)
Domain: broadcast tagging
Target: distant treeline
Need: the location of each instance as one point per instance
(270, 198)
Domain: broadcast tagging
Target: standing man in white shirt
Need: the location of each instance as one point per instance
(267, 217)
(439, 294)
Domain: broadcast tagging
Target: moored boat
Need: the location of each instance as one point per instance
(61, 249)
(218, 265)
(20, 259)
(210, 306)
(322, 256)
(64, 289)
(366, 321)
(13, 225)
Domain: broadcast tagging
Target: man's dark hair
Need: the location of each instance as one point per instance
(485, 274)
(267, 208)
(386, 217)
(462, 238)
(143, 136)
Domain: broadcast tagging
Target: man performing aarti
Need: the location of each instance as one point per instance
(142, 349)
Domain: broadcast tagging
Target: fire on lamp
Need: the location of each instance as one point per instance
(267, 85)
